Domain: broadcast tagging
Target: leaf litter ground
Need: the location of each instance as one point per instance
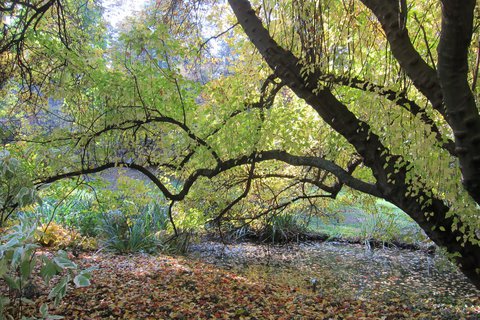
(246, 281)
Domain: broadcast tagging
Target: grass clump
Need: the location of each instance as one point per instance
(283, 228)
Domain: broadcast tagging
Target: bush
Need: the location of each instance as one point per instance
(155, 216)
(235, 233)
(172, 244)
(56, 236)
(389, 225)
(18, 260)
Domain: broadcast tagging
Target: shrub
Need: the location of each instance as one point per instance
(155, 216)
(78, 211)
(17, 262)
(235, 233)
(56, 236)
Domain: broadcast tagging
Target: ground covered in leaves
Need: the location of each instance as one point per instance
(258, 282)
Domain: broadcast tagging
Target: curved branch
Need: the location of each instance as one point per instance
(320, 163)
(245, 192)
(131, 124)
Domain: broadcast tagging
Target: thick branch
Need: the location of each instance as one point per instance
(463, 115)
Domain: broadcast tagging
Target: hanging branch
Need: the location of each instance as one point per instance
(170, 217)
(218, 218)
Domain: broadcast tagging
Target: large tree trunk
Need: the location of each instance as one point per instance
(389, 169)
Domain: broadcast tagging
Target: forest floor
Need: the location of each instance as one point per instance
(246, 281)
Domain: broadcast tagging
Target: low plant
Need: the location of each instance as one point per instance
(54, 235)
(175, 244)
(125, 234)
(239, 233)
(78, 210)
(380, 227)
(283, 228)
(18, 260)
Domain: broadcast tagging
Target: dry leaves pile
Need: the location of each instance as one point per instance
(162, 287)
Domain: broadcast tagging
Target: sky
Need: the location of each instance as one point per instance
(118, 10)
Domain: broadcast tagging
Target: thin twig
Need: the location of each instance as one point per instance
(202, 45)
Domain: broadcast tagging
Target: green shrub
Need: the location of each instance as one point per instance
(155, 216)
(125, 234)
(148, 230)
(386, 225)
(380, 227)
(77, 211)
(18, 260)
(239, 233)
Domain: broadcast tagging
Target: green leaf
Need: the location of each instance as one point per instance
(3, 302)
(86, 272)
(81, 281)
(58, 292)
(48, 270)
(44, 310)
(3, 267)
(13, 283)
(64, 263)
(11, 243)
(26, 267)
(17, 256)
(27, 301)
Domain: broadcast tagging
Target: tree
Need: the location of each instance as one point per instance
(448, 91)
(255, 134)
